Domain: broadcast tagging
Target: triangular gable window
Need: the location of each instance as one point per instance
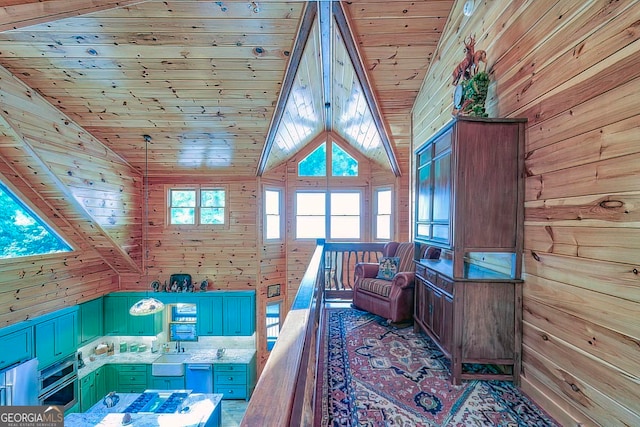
(342, 163)
(22, 232)
(315, 164)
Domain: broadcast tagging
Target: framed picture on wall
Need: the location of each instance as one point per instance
(273, 291)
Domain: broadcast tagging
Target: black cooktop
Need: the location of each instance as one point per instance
(157, 402)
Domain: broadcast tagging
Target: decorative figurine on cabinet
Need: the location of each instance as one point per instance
(470, 94)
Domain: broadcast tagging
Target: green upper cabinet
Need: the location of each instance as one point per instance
(228, 313)
(210, 315)
(118, 321)
(238, 312)
(90, 321)
(56, 338)
(116, 315)
(143, 325)
(20, 343)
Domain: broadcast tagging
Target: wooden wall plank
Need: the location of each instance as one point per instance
(571, 68)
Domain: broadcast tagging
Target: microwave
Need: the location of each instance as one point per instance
(183, 332)
(186, 313)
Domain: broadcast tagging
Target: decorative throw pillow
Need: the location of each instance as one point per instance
(388, 267)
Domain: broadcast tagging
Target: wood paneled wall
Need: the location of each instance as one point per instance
(90, 195)
(572, 68)
(225, 256)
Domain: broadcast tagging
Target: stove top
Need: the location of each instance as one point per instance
(158, 402)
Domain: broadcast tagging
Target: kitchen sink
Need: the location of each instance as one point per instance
(169, 365)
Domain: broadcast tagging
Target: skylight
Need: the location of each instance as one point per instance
(22, 232)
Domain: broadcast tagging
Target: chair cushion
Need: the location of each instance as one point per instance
(388, 267)
(376, 286)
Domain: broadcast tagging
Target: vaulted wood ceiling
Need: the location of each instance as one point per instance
(204, 78)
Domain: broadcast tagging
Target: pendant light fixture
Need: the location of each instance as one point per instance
(147, 305)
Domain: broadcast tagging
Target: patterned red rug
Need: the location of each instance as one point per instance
(381, 375)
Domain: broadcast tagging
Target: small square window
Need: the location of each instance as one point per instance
(197, 206)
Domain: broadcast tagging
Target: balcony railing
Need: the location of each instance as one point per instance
(339, 262)
(285, 392)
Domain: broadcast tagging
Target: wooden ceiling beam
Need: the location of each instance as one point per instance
(30, 12)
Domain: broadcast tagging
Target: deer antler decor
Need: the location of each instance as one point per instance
(470, 93)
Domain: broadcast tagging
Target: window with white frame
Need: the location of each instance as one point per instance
(336, 214)
(273, 214)
(198, 206)
(310, 215)
(383, 219)
(345, 215)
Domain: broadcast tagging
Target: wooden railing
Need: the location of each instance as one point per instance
(285, 392)
(340, 260)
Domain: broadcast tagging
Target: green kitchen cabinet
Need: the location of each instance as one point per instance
(110, 374)
(118, 321)
(87, 392)
(116, 315)
(101, 383)
(21, 344)
(73, 410)
(234, 380)
(143, 325)
(210, 315)
(56, 338)
(238, 315)
(166, 383)
(132, 378)
(90, 321)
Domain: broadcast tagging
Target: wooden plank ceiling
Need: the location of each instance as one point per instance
(204, 78)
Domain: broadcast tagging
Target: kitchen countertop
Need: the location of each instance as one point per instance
(204, 410)
(231, 355)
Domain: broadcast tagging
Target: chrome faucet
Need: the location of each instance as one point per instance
(179, 348)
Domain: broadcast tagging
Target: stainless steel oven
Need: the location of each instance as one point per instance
(59, 383)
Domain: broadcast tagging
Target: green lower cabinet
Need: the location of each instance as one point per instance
(167, 383)
(87, 392)
(74, 409)
(21, 344)
(110, 373)
(93, 388)
(234, 380)
(101, 383)
(132, 378)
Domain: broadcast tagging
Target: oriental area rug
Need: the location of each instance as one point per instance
(380, 375)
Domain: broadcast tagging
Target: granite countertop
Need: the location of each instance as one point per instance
(200, 406)
(231, 355)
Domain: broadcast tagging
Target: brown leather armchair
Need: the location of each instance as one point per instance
(390, 299)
